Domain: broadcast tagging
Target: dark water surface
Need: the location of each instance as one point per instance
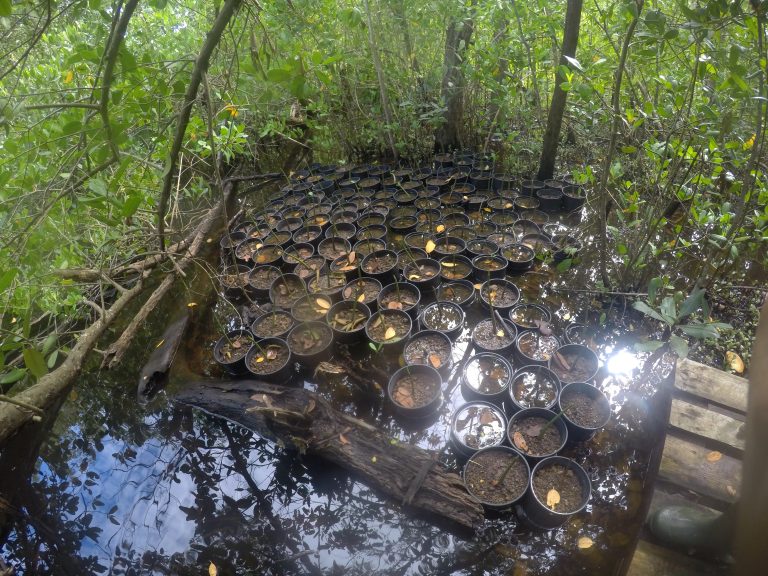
(122, 488)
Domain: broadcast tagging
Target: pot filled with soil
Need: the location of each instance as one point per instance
(418, 240)
(423, 272)
(573, 197)
(494, 335)
(261, 278)
(536, 346)
(448, 246)
(402, 296)
(536, 216)
(259, 254)
(332, 248)
(364, 290)
(234, 281)
(346, 230)
(415, 391)
(389, 329)
(529, 187)
(585, 410)
(348, 265)
(310, 343)
(274, 324)
(574, 363)
(455, 268)
(347, 320)
(310, 308)
(534, 387)
(501, 295)
(519, 256)
(372, 232)
(270, 360)
(312, 232)
(504, 219)
(537, 433)
(529, 316)
(365, 247)
(309, 267)
(403, 224)
(560, 488)
(445, 317)
(230, 350)
(475, 426)
(497, 477)
(371, 219)
(228, 243)
(488, 267)
(430, 348)
(453, 219)
(481, 247)
(466, 233)
(297, 253)
(461, 292)
(501, 204)
(286, 289)
(502, 240)
(381, 265)
(550, 199)
(276, 238)
(327, 283)
(523, 227)
(484, 229)
(290, 224)
(539, 243)
(486, 376)
(341, 216)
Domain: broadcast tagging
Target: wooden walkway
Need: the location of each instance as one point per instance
(701, 461)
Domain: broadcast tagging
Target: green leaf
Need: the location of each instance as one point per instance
(694, 301)
(564, 265)
(71, 127)
(35, 362)
(13, 376)
(700, 331)
(49, 343)
(5, 8)
(669, 309)
(653, 288)
(278, 75)
(648, 345)
(131, 204)
(679, 346)
(7, 278)
(648, 311)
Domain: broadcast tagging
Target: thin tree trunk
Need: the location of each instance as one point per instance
(559, 96)
(529, 56)
(494, 109)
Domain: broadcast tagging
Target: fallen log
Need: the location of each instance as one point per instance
(303, 420)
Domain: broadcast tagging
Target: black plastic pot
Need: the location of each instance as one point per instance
(489, 267)
(519, 257)
(307, 269)
(477, 426)
(534, 386)
(407, 291)
(233, 365)
(529, 187)
(526, 203)
(281, 239)
(524, 316)
(348, 265)
(455, 268)
(573, 197)
(486, 376)
(228, 243)
(259, 288)
(481, 247)
(328, 284)
(548, 418)
(534, 504)
(372, 232)
(261, 330)
(352, 334)
(294, 289)
(234, 281)
(550, 199)
(346, 230)
(408, 255)
(466, 233)
(449, 246)
(423, 272)
(522, 228)
(382, 274)
(311, 234)
(310, 357)
(297, 253)
(401, 394)
(583, 362)
(266, 370)
(504, 219)
(310, 308)
(418, 240)
(369, 288)
(371, 219)
(445, 317)
(332, 248)
(490, 291)
(565, 246)
(365, 247)
(484, 229)
(514, 467)
(289, 225)
(497, 344)
(403, 224)
(580, 431)
(421, 349)
(461, 292)
(502, 240)
(457, 218)
(538, 217)
(385, 318)
(544, 346)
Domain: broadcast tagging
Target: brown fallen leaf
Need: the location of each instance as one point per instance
(487, 417)
(585, 542)
(714, 456)
(394, 306)
(519, 441)
(351, 257)
(434, 359)
(553, 498)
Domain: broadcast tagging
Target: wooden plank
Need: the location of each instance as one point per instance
(650, 559)
(686, 464)
(707, 423)
(712, 384)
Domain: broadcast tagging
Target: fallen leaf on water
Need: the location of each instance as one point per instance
(434, 359)
(440, 228)
(553, 498)
(429, 247)
(361, 297)
(323, 303)
(448, 264)
(734, 362)
(160, 343)
(73, 395)
(191, 304)
(714, 456)
(389, 333)
(212, 570)
(343, 439)
(519, 441)
(585, 542)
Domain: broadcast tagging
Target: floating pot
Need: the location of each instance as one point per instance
(466, 233)
(270, 360)
(522, 228)
(533, 347)
(445, 317)
(481, 247)
(476, 426)
(534, 386)
(430, 348)
(550, 199)
(537, 433)
(415, 391)
(488, 267)
(231, 349)
(519, 256)
(497, 477)
(574, 363)
(502, 240)
(536, 216)
(486, 376)
(568, 479)
(573, 197)
(585, 410)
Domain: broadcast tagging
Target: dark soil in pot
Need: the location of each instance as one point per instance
(534, 387)
(536, 432)
(452, 219)
(401, 296)
(525, 203)
(310, 308)
(519, 256)
(444, 317)
(486, 376)
(455, 268)
(584, 406)
(460, 292)
(483, 229)
(477, 425)
(310, 342)
(559, 489)
(497, 477)
(389, 328)
(500, 204)
(503, 219)
(536, 216)
(423, 272)
(430, 348)
(380, 265)
(535, 347)
(418, 240)
(564, 481)
(496, 336)
(371, 219)
(346, 230)
(310, 234)
(332, 248)
(481, 247)
(573, 197)
(297, 253)
(269, 254)
(448, 246)
(500, 294)
(529, 316)
(234, 280)
(372, 232)
(415, 390)
(502, 240)
(402, 212)
(346, 264)
(403, 224)
(550, 200)
(278, 238)
(309, 267)
(539, 243)
(344, 217)
(261, 278)
(330, 284)
(488, 267)
(230, 351)
(466, 233)
(347, 320)
(529, 187)
(363, 290)
(274, 324)
(269, 360)
(286, 289)
(574, 363)
(426, 203)
(365, 247)
(408, 255)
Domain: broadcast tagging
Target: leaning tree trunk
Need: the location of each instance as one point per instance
(557, 107)
(452, 91)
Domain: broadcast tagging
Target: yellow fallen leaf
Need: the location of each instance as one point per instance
(487, 209)
(323, 303)
(232, 109)
(430, 246)
(519, 441)
(714, 456)
(160, 343)
(434, 359)
(734, 362)
(440, 228)
(373, 459)
(553, 498)
(478, 286)
(361, 297)
(191, 304)
(73, 395)
(500, 333)
(69, 76)
(212, 570)
(259, 359)
(390, 333)
(585, 542)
